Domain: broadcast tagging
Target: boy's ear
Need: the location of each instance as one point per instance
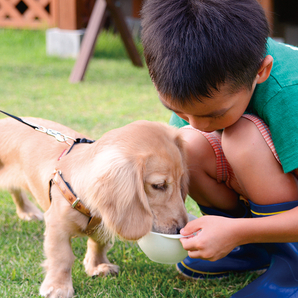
(265, 69)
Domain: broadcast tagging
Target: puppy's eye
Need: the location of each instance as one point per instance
(160, 186)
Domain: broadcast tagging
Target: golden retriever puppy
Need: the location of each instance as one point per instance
(132, 180)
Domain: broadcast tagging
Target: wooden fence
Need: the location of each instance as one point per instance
(34, 14)
(28, 13)
(65, 14)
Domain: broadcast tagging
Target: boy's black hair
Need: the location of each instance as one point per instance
(191, 47)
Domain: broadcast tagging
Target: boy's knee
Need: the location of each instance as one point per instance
(240, 141)
(200, 154)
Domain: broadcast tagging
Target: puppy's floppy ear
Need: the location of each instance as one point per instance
(118, 195)
(185, 178)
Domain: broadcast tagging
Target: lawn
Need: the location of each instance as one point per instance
(113, 94)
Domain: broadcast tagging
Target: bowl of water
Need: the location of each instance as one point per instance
(164, 248)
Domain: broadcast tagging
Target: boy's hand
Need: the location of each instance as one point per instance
(214, 240)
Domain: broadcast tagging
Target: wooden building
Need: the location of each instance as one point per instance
(74, 14)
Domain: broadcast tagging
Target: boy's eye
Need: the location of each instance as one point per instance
(218, 116)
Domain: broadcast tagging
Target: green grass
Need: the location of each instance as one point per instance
(113, 94)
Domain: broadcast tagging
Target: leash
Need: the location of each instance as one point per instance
(51, 132)
(58, 180)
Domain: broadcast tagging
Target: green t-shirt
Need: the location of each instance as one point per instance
(276, 102)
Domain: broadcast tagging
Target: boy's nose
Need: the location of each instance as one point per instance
(201, 124)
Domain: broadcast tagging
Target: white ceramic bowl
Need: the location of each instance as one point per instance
(164, 248)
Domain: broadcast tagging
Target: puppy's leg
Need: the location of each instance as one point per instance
(59, 260)
(26, 210)
(96, 261)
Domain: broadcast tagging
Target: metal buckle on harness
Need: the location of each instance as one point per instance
(74, 204)
(56, 134)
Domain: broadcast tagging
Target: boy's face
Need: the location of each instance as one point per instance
(218, 112)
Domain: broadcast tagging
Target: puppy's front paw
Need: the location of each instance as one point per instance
(102, 269)
(56, 292)
(105, 269)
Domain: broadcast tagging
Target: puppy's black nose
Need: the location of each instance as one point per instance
(178, 230)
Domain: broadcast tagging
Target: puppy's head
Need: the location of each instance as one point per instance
(140, 180)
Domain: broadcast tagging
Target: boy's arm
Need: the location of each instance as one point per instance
(217, 235)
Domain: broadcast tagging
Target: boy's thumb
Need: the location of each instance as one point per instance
(190, 228)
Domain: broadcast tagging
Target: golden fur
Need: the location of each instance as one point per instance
(134, 178)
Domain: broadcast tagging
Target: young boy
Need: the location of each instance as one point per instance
(211, 61)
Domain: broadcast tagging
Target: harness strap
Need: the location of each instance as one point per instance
(75, 202)
(80, 141)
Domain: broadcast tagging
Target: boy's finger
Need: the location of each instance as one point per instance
(189, 243)
(191, 227)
